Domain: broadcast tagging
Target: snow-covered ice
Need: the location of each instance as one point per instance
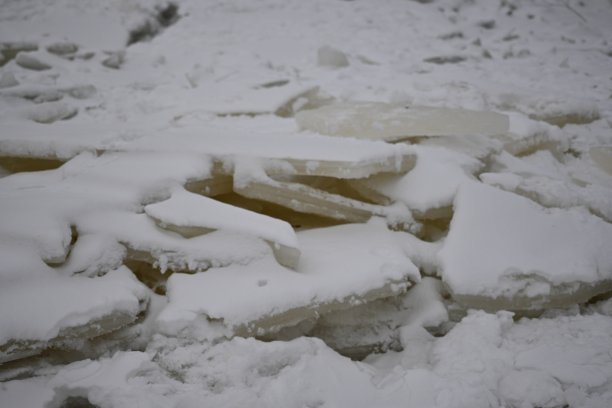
(210, 203)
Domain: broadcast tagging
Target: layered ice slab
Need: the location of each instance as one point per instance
(62, 312)
(280, 148)
(390, 122)
(340, 267)
(504, 251)
(191, 215)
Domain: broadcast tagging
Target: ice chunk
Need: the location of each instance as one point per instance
(92, 255)
(251, 181)
(430, 186)
(190, 215)
(375, 326)
(7, 80)
(266, 138)
(114, 60)
(29, 62)
(331, 57)
(51, 112)
(55, 310)
(340, 267)
(552, 183)
(505, 252)
(168, 251)
(311, 98)
(62, 48)
(382, 121)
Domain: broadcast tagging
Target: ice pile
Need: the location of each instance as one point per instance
(206, 203)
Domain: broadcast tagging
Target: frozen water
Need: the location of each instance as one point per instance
(380, 121)
(213, 96)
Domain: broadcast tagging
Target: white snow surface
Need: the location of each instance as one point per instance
(138, 101)
(503, 245)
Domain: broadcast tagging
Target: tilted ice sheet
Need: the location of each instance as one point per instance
(337, 264)
(507, 249)
(185, 209)
(191, 214)
(380, 121)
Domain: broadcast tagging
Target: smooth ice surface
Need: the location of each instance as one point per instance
(380, 121)
(339, 265)
(502, 246)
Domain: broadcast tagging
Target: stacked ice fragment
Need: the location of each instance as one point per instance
(258, 227)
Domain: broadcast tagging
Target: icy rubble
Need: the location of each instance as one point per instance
(131, 155)
(339, 267)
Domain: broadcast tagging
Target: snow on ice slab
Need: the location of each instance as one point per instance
(505, 252)
(339, 267)
(430, 186)
(191, 214)
(272, 138)
(54, 310)
(375, 120)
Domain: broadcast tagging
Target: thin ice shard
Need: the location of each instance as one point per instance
(251, 181)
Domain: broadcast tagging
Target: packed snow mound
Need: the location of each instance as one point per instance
(505, 252)
(380, 121)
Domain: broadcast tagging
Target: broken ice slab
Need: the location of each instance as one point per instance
(340, 267)
(168, 251)
(391, 122)
(270, 138)
(504, 251)
(191, 215)
(375, 326)
(251, 181)
(429, 188)
(59, 312)
(577, 182)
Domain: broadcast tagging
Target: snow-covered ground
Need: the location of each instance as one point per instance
(395, 203)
